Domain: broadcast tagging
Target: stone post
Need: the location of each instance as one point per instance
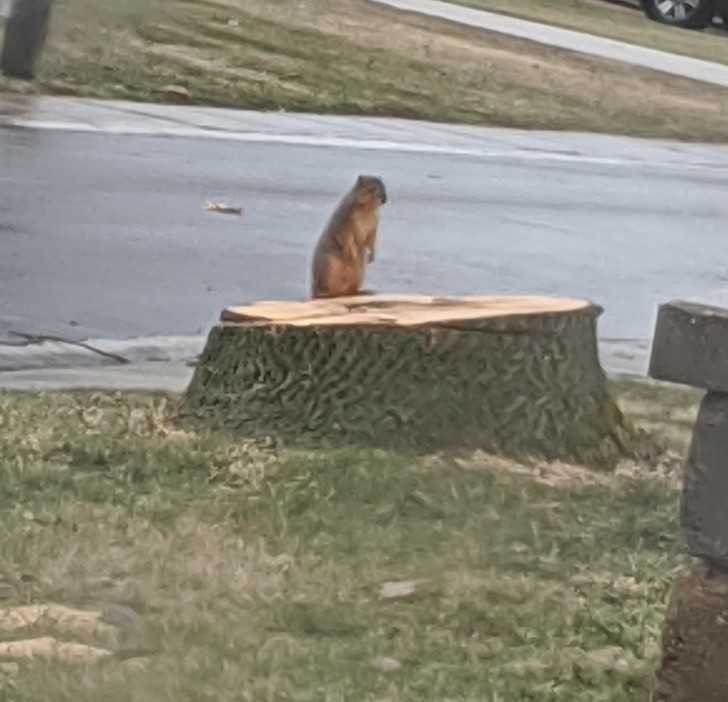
(691, 348)
(25, 35)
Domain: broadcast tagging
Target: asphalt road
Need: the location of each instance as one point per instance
(106, 236)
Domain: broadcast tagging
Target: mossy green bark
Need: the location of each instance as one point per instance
(516, 385)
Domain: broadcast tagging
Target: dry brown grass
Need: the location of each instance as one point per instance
(259, 574)
(353, 57)
(615, 21)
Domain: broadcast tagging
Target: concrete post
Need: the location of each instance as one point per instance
(691, 348)
(25, 35)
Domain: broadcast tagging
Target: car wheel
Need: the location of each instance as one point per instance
(693, 14)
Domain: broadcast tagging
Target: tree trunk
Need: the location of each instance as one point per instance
(25, 35)
(513, 376)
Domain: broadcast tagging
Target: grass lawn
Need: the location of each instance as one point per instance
(615, 21)
(354, 57)
(230, 571)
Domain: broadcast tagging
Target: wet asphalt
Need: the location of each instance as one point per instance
(106, 236)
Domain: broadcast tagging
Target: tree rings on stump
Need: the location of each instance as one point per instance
(509, 375)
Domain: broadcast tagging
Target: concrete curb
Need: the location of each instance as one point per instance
(55, 355)
(334, 131)
(145, 377)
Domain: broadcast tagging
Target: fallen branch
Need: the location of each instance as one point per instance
(50, 648)
(66, 619)
(42, 338)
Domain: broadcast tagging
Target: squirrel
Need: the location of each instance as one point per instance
(348, 242)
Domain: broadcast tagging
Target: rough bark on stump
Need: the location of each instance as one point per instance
(509, 375)
(25, 35)
(695, 642)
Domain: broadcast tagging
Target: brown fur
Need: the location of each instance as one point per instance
(349, 241)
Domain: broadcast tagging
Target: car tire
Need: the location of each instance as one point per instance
(692, 14)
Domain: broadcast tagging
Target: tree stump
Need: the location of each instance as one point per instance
(25, 35)
(510, 375)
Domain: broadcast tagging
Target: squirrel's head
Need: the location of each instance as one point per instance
(369, 188)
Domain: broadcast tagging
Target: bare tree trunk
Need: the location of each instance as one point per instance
(25, 35)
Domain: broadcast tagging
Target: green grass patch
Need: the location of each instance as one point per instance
(258, 572)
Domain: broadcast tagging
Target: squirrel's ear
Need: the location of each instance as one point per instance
(360, 180)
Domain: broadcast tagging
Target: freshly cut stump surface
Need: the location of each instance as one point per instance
(510, 375)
